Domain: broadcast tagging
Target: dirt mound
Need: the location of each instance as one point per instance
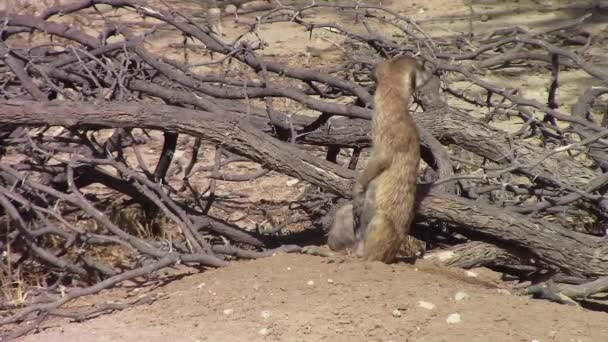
(303, 298)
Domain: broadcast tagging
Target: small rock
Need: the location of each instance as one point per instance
(461, 296)
(289, 268)
(503, 291)
(310, 283)
(265, 314)
(426, 305)
(264, 331)
(484, 17)
(470, 274)
(552, 334)
(228, 312)
(330, 281)
(453, 318)
(396, 313)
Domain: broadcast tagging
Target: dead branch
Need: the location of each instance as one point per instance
(549, 243)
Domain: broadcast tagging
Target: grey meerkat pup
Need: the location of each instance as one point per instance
(381, 231)
(341, 236)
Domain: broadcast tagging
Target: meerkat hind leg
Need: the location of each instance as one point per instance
(381, 241)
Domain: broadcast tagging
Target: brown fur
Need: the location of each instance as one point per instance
(341, 236)
(394, 162)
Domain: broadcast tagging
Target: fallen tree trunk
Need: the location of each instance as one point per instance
(574, 256)
(224, 129)
(454, 127)
(446, 124)
(479, 254)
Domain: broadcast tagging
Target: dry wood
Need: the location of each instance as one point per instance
(573, 255)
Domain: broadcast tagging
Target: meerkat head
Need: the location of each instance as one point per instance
(402, 69)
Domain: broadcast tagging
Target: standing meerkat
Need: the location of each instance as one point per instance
(393, 165)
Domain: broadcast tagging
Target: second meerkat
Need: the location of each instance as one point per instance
(393, 165)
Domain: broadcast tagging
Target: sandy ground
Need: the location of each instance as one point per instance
(303, 298)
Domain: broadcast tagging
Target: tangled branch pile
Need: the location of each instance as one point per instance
(529, 199)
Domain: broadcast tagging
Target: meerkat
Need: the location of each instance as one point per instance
(341, 236)
(393, 164)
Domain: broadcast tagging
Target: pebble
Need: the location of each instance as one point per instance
(310, 283)
(470, 274)
(426, 305)
(264, 331)
(396, 313)
(461, 296)
(266, 314)
(228, 312)
(453, 318)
